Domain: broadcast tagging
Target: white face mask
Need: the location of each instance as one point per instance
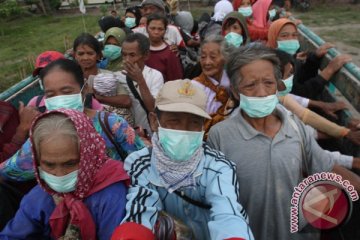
(288, 84)
(73, 101)
(258, 107)
(63, 184)
(179, 145)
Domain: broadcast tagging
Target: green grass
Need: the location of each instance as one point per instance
(23, 39)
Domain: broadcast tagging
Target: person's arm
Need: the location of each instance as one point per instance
(112, 210)
(329, 108)
(28, 222)
(348, 175)
(143, 203)
(135, 73)
(228, 217)
(122, 101)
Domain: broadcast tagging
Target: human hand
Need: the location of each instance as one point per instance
(354, 136)
(330, 108)
(174, 49)
(133, 71)
(322, 50)
(334, 65)
(27, 115)
(354, 124)
(302, 55)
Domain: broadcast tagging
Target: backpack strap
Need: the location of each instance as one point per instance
(106, 128)
(37, 104)
(305, 168)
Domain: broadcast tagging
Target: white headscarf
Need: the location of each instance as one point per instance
(222, 8)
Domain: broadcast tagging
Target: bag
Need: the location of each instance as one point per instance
(107, 129)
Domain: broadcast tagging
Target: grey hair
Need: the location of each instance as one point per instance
(225, 49)
(50, 128)
(247, 54)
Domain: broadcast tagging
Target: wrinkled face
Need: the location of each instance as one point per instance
(288, 32)
(156, 30)
(258, 79)
(211, 60)
(86, 56)
(177, 121)
(131, 53)
(245, 3)
(59, 157)
(150, 9)
(236, 28)
(112, 41)
(58, 82)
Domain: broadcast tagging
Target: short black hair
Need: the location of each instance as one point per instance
(284, 58)
(141, 39)
(157, 16)
(65, 65)
(108, 22)
(88, 40)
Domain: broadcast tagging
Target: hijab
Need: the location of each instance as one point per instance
(260, 12)
(275, 29)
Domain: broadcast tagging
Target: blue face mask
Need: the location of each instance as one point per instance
(73, 101)
(112, 52)
(288, 84)
(234, 39)
(245, 11)
(272, 14)
(289, 46)
(258, 107)
(179, 145)
(63, 184)
(130, 22)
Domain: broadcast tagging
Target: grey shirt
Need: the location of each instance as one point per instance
(269, 169)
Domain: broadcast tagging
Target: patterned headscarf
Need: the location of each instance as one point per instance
(275, 29)
(96, 172)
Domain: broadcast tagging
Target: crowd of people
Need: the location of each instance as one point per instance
(166, 127)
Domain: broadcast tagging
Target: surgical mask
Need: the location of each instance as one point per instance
(179, 145)
(112, 52)
(63, 184)
(73, 101)
(272, 13)
(289, 46)
(234, 39)
(288, 84)
(258, 107)
(130, 22)
(245, 11)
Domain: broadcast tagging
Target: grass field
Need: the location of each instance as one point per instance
(24, 38)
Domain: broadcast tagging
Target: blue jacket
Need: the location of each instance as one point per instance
(216, 185)
(31, 221)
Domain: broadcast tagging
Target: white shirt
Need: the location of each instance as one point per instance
(154, 81)
(211, 104)
(172, 34)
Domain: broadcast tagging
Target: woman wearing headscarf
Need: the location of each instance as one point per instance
(245, 8)
(308, 82)
(234, 29)
(221, 8)
(81, 193)
(132, 17)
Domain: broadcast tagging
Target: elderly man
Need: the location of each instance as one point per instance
(271, 148)
(182, 176)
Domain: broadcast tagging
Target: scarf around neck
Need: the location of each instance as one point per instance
(175, 174)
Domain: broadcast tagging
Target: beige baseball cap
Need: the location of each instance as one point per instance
(182, 96)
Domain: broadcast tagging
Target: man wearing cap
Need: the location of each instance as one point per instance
(181, 175)
(172, 34)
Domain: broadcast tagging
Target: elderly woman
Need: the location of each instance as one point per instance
(272, 149)
(63, 82)
(308, 83)
(81, 193)
(214, 79)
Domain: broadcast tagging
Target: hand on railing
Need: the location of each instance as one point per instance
(334, 65)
